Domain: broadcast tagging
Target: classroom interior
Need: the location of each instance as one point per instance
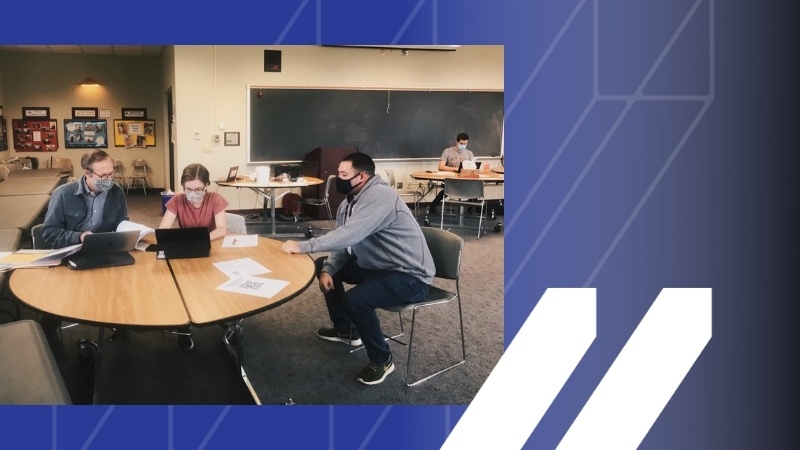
(202, 91)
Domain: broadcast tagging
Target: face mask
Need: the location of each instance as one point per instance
(343, 186)
(195, 197)
(462, 146)
(103, 185)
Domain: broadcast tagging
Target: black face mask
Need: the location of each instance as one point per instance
(343, 186)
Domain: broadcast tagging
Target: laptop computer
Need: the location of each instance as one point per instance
(461, 165)
(177, 243)
(104, 250)
(232, 172)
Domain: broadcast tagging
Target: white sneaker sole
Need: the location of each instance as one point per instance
(353, 343)
(380, 380)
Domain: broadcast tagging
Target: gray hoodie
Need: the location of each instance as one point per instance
(381, 231)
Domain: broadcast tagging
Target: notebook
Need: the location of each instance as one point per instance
(104, 250)
(461, 165)
(177, 243)
(232, 172)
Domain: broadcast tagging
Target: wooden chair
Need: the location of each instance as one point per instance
(65, 165)
(139, 173)
(118, 173)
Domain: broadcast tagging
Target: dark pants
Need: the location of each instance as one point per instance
(374, 289)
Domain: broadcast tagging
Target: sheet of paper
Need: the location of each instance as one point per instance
(260, 287)
(247, 240)
(241, 267)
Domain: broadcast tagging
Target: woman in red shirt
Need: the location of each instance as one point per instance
(195, 207)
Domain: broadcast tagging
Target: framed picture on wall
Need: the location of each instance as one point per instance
(134, 133)
(85, 133)
(232, 138)
(34, 135)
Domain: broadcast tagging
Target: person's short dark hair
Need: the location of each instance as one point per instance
(92, 157)
(462, 137)
(195, 172)
(361, 162)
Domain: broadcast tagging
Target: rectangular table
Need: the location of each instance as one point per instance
(24, 209)
(36, 173)
(28, 186)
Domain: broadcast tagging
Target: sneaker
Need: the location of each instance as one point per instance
(332, 334)
(185, 342)
(375, 373)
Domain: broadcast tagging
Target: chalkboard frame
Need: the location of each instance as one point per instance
(360, 118)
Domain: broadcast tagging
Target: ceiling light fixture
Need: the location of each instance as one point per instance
(90, 82)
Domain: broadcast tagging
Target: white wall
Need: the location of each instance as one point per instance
(211, 87)
(52, 80)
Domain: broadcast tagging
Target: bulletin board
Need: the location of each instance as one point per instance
(31, 135)
(134, 133)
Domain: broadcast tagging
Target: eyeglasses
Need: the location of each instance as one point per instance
(109, 176)
(195, 191)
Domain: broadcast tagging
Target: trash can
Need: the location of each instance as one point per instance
(165, 196)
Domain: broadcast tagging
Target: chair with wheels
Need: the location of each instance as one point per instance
(416, 196)
(139, 173)
(464, 193)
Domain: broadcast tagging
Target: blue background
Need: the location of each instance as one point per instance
(608, 187)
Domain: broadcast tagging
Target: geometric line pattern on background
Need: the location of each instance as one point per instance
(531, 372)
(629, 102)
(647, 372)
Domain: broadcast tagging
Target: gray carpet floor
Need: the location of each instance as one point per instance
(287, 363)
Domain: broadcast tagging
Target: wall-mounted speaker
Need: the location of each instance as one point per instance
(272, 60)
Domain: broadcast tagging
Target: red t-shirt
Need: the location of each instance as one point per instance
(191, 217)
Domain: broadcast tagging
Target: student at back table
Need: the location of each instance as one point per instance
(451, 158)
(193, 208)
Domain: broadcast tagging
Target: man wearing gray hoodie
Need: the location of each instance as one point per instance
(378, 246)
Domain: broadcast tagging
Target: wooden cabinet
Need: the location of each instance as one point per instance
(320, 163)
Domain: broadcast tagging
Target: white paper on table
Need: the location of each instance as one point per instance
(242, 240)
(260, 287)
(241, 267)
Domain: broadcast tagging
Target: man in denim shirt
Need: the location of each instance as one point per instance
(93, 203)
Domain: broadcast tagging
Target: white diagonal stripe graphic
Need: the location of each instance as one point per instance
(646, 373)
(531, 372)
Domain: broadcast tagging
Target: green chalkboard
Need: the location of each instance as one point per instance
(285, 124)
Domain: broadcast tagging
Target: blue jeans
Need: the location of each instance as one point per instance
(374, 289)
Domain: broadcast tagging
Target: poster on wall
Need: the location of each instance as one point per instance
(31, 135)
(90, 133)
(134, 133)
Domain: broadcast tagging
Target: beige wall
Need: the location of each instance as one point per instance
(44, 79)
(211, 87)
